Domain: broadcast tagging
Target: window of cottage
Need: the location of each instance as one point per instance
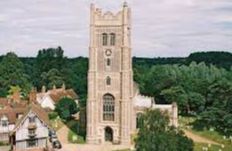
(31, 132)
(32, 119)
(32, 143)
(108, 107)
(4, 123)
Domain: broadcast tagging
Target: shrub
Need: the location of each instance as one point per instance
(53, 115)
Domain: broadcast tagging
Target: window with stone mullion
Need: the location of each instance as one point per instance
(108, 108)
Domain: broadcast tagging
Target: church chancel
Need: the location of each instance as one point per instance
(113, 98)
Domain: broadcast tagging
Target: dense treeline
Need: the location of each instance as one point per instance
(201, 84)
(220, 59)
(198, 89)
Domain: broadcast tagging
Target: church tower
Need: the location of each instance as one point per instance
(110, 77)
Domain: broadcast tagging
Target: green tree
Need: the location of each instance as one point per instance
(160, 77)
(176, 94)
(76, 77)
(50, 58)
(47, 60)
(218, 108)
(66, 107)
(155, 134)
(13, 74)
(51, 78)
(220, 59)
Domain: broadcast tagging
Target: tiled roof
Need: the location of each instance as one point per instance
(58, 94)
(39, 111)
(9, 102)
(12, 109)
(4, 101)
(12, 113)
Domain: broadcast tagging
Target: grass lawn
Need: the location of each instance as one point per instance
(74, 138)
(56, 123)
(75, 135)
(199, 146)
(215, 136)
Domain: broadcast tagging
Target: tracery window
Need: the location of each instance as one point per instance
(112, 39)
(108, 107)
(104, 39)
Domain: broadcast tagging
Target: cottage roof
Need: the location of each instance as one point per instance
(39, 111)
(12, 113)
(11, 109)
(59, 94)
(4, 102)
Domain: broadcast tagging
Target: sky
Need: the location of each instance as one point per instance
(160, 28)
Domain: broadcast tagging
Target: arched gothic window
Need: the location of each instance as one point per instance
(112, 39)
(104, 39)
(108, 107)
(108, 81)
(139, 121)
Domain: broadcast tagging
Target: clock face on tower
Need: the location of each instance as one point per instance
(108, 52)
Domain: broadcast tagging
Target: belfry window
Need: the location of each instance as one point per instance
(108, 62)
(104, 39)
(108, 107)
(112, 39)
(108, 81)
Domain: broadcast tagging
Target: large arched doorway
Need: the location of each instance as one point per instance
(108, 134)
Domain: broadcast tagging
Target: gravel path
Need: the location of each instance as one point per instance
(62, 135)
(88, 147)
(4, 148)
(199, 139)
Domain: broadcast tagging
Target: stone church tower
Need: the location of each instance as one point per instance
(110, 78)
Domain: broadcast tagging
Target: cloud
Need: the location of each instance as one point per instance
(160, 27)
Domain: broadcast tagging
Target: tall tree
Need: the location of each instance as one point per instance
(66, 107)
(52, 78)
(155, 134)
(13, 74)
(49, 59)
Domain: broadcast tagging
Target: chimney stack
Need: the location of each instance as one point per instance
(32, 95)
(43, 89)
(16, 96)
(54, 87)
(63, 86)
